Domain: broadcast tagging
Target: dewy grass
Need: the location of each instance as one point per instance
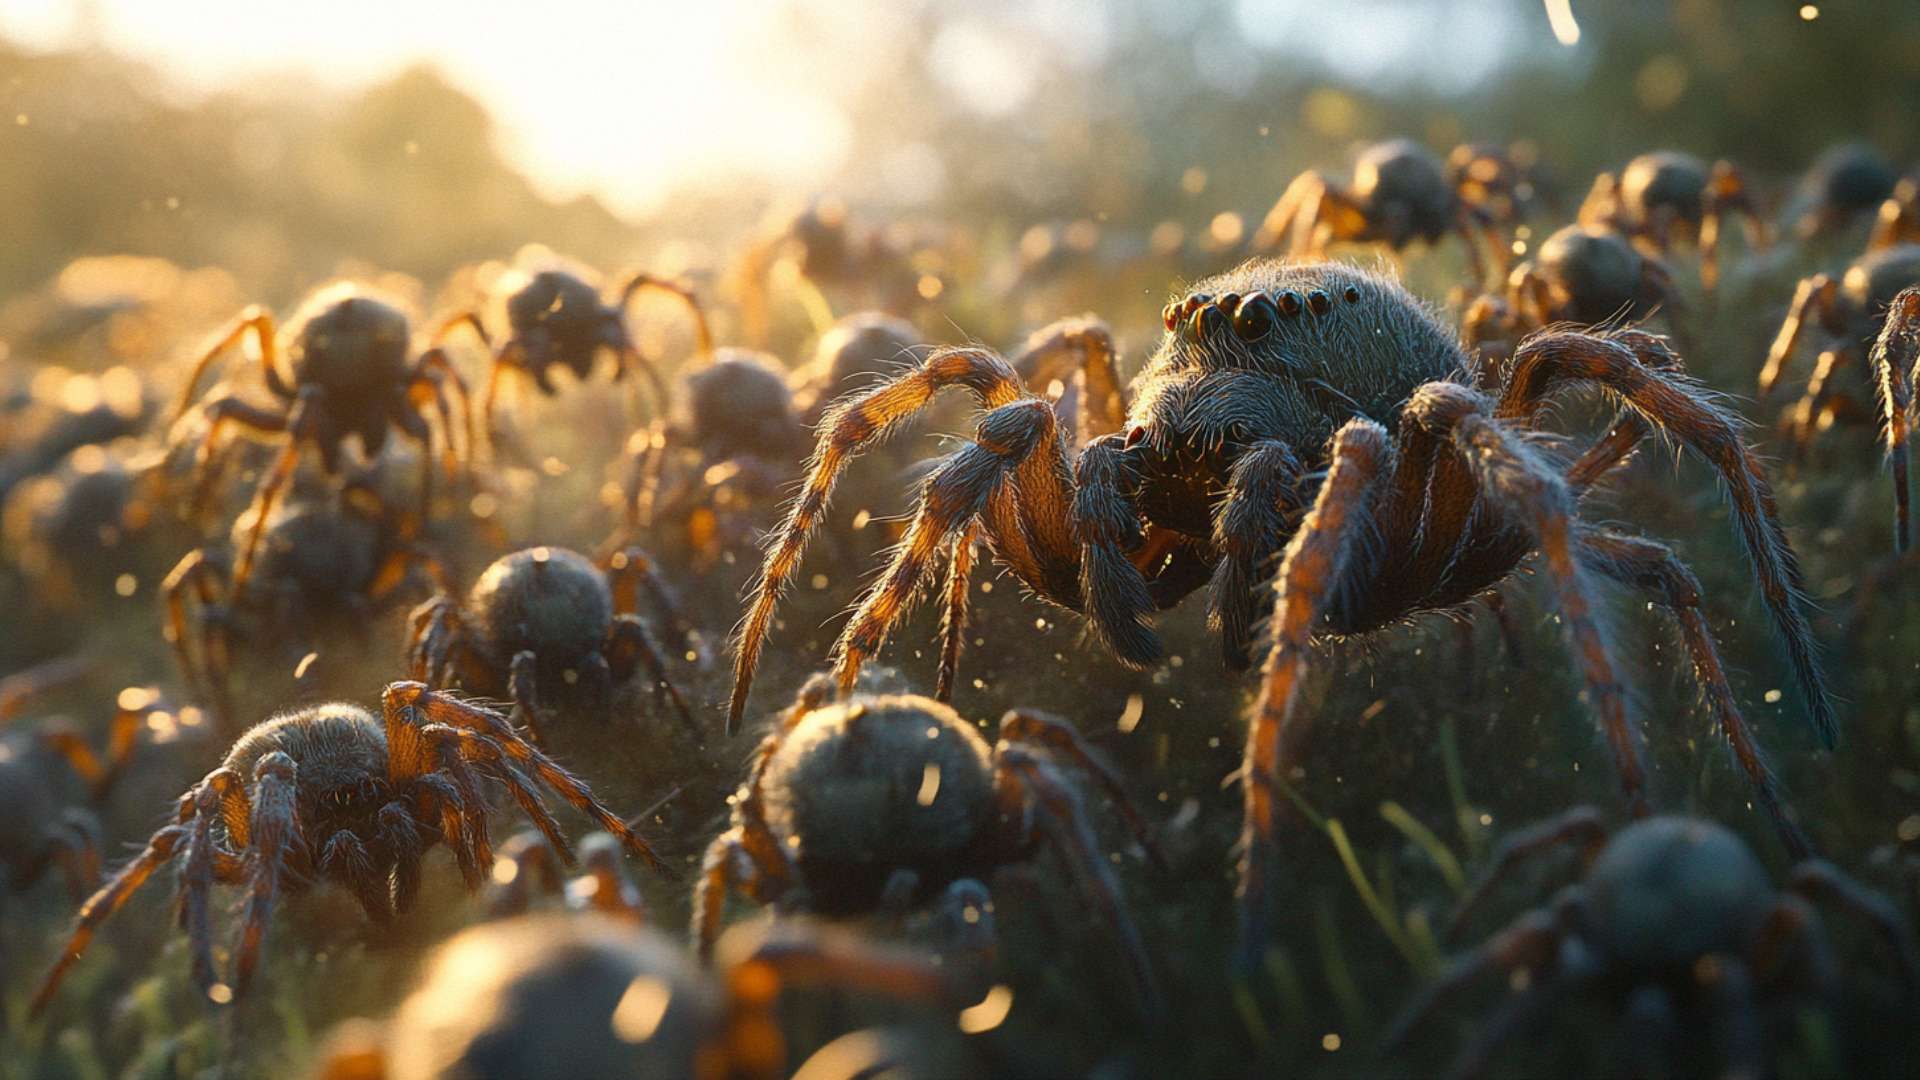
(1382, 914)
(1436, 850)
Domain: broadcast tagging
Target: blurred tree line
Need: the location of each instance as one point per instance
(1176, 114)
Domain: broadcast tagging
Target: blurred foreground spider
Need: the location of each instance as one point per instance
(1400, 193)
(1319, 409)
(590, 996)
(347, 373)
(1675, 920)
(1666, 196)
(882, 801)
(332, 793)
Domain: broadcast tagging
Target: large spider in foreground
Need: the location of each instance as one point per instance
(880, 802)
(347, 373)
(1400, 193)
(543, 618)
(1666, 196)
(1673, 918)
(333, 793)
(1321, 409)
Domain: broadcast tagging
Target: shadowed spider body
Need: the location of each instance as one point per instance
(881, 802)
(556, 319)
(543, 618)
(1846, 314)
(1320, 412)
(1673, 918)
(1667, 196)
(333, 793)
(1499, 181)
(1400, 193)
(857, 351)
(340, 555)
(73, 531)
(347, 373)
(589, 996)
(1845, 182)
(1587, 275)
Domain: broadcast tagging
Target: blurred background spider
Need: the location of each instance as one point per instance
(1665, 197)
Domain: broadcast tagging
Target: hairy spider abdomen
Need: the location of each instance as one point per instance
(352, 345)
(1852, 177)
(1871, 283)
(1670, 890)
(1401, 173)
(739, 404)
(549, 600)
(864, 788)
(314, 550)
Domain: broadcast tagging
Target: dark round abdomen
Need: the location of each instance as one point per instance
(547, 599)
(355, 347)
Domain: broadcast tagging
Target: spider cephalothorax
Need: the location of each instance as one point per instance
(1587, 275)
(333, 793)
(589, 996)
(545, 618)
(1674, 919)
(1319, 409)
(556, 319)
(1666, 196)
(349, 371)
(322, 559)
(885, 801)
(1400, 193)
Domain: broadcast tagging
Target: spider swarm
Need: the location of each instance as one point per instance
(1319, 412)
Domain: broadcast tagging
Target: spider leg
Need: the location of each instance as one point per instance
(1530, 943)
(630, 358)
(199, 576)
(1081, 347)
(950, 501)
(1896, 371)
(407, 704)
(511, 357)
(629, 644)
(475, 747)
(393, 571)
(1813, 300)
(1263, 495)
(1580, 825)
(1529, 489)
(1655, 570)
(275, 829)
(161, 849)
(1628, 365)
(1817, 879)
(221, 797)
(435, 631)
(632, 570)
(1811, 413)
(1726, 193)
(1030, 727)
(720, 876)
(303, 420)
(436, 367)
(680, 290)
(850, 426)
(223, 413)
(953, 627)
(1519, 1010)
(1024, 779)
(523, 689)
(76, 848)
(1311, 570)
(613, 892)
(1898, 220)
(1737, 1025)
(254, 320)
(526, 865)
(1293, 225)
(1117, 600)
(345, 858)
(20, 688)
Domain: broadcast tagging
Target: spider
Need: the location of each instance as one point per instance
(823, 246)
(543, 618)
(712, 473)
(342, 553)
(1673, 917)
(75, 530)
(1846, 182)
(556, 319)
(1896, 365)
(39, 832)
(1400, 193)
(333, 793)
(855, 352)
(586, 995)
(1500, 181)
(1666, 195)
(527, 866)
(1583, 274)
(56, 412)
(1846, 314)
(1320, 409)
(875, 802)
(347, 374)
